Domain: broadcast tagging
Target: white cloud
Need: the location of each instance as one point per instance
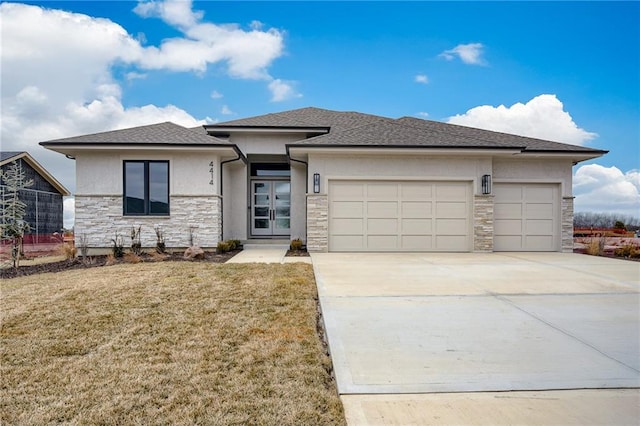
(542, 117)
(606, 190)
(422, 114)
(468, 53)
(58, 75)
(421, 78)
(216, 95)
(226, 110)
(282, 91)
(68, 216)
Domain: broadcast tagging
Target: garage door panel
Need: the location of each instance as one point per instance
(382, 226)
(348, 226)
(416, 243)
(348, 209)
(539, 227)
(509, 226)
(452, 209)
(507, 211)
(451, 243)
(383, 191)
(417, 226)
(538, 211)
(506, 242)
(538, 242)
(417, 210)
(449, 227)
(347, 191)
(392, 216)
(526, 217)
(382, 209)
(452, 191)
(416, 192)
(382, 242)
(539, 193)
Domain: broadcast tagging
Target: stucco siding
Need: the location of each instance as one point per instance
(534, 171)
(235, 201)
(397, 167)
(298, 201)
(272, 143)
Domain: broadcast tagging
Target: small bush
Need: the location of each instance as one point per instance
(223, 247)
(111, 260)
(595, 247)
(296, 244)
(234, 244)
(136, 245)
(118, 246)
(132, 258)
(160, 245)
(67, 250)
(629, 251)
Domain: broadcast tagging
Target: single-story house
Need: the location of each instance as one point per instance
(44, 212)
(340, 181)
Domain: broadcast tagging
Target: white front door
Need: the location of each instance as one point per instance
(270, 207)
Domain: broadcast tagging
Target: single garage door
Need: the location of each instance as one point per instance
(399, 216)
(526, 217)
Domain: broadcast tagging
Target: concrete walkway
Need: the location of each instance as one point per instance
(266, 254)
(441, 323)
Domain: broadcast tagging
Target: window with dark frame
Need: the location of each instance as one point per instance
(146, 188)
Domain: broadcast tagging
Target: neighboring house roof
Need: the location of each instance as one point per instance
(155, 134)
(7, 157)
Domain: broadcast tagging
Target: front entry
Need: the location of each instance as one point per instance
(270, 207)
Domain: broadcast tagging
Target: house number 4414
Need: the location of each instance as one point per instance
(211, 171)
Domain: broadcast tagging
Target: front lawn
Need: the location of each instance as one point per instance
(165, 343)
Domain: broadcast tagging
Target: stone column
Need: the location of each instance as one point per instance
(483, 223)
(567, 224)
(317, 223)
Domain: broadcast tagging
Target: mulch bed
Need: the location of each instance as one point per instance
(297, 253)
(97, 261)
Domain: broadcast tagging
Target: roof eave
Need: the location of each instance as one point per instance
(404, 149)
(213, 129)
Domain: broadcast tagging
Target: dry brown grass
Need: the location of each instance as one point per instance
(165, 343)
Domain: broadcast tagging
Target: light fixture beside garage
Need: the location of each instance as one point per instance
(316, 183)
(486, 184)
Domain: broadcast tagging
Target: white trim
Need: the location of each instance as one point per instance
(381, 150)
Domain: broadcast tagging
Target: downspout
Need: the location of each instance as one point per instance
(306, 187)
(222, 163)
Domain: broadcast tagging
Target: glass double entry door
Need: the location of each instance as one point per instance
(270, 207)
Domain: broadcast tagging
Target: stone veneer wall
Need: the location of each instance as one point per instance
(483, 223)
(100, 217)
(567, 224)
(317, 223)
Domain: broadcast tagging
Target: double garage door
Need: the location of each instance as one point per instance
(399, 216)
(437, 216)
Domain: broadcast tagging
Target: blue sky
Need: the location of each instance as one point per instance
(561, 71)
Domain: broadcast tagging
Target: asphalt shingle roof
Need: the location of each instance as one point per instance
(5, 155)
(154, 134)
(306, 117)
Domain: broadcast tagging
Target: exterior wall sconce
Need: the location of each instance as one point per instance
(316, 183)
(486, 184)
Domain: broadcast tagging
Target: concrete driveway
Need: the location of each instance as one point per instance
(470, 322)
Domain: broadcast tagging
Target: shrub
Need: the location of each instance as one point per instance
(595, 247)
(223, 247)
(136, 245)
(236, 243)
(296, 244)
(132, 258)
(67, 250)
(160, 245)
(628, 251)
(118, 246)
(111, 260)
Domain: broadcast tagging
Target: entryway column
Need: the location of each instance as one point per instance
(317, 223)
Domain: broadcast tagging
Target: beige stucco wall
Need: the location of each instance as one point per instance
(101, 173)
(377, 166)
(235, 201)
(298, 201)
(270, 143)
(542, 170)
